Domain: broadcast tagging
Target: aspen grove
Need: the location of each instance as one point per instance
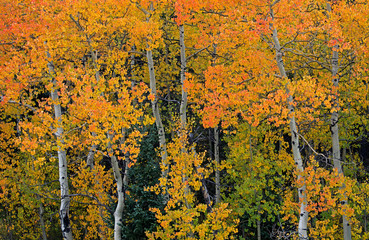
(186, 119)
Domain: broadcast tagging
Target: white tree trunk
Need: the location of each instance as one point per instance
(126, 159)
(336, 154)
(91, 154)
(154, 102)
(63, 165)
(183, 110)
(156, 113)
(183, 107)
(304, 215)
(118, 214)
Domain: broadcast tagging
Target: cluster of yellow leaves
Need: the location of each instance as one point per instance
(234, 80)
(183, 216)
(95, 95)
(326, 191)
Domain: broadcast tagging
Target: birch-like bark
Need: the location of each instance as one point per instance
(183, 107)
(156, 113)
(126, 164)
(336, 154)
(155, 107)
(91, 154)
(63, 165)
(157, 116)
(304, 215)
(118, 213)
(154, 104)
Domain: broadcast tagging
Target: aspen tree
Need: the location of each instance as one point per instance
(304, 215)
(63, 164)
(155, 97)
(336, 150)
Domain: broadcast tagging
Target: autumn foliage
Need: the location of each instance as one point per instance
(115, 113)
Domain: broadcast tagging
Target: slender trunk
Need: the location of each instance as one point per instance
(304, 215)
(132, 66)
(365, 222)
(41, 211)
(334, 117)
(126, 160)
(42, 222)
(183, 114)
(205, 194)
(156, 113)
(90, 165)
(216, 143)
(155, 107)
(91, 154)
(93, 148)
(183, 107)
(126, 166)
(120, 190)
(172, 124)
(204, 189)
(90, 157)
(258, 222)
(63, 165)
(217, 164)
(336, 154)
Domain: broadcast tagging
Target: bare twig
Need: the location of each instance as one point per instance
(312, 149)
(197, 52)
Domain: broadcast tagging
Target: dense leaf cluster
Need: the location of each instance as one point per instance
(213, 119)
